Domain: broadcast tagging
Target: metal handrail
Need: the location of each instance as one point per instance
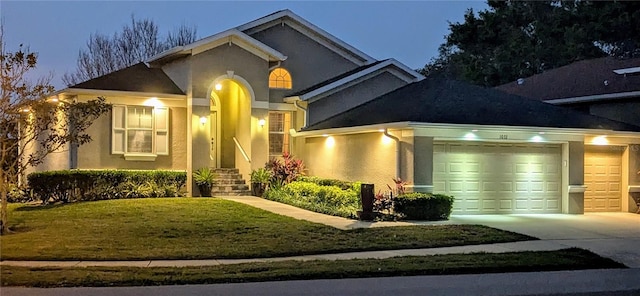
(244, 154)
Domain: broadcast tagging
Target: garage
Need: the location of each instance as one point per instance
(603, 178)
(499, 178)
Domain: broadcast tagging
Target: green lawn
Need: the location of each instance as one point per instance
(198, 228)
(297, 270)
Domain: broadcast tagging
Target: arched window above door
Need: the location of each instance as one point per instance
(280, 78)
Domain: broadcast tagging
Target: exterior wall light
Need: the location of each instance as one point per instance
(600, 140)
(261, 122)
(203, 120)
(218, 86)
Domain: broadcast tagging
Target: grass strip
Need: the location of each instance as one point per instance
(567, 259)
(197, 228)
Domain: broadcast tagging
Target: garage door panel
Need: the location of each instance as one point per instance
(511, 178)
(603, 178)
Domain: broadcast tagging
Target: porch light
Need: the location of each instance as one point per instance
(261, 122)
(470, 136)
(54, 100)
(203, 120)
(330, 142)
(600, 140)
(218, 86)
(536, 139)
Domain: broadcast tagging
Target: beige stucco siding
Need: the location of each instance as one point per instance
(97, 153)
(213, 63)
(368, 158)
(307, 61)
(367, 89)
(178, 72)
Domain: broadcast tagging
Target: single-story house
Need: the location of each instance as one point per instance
(280, 84)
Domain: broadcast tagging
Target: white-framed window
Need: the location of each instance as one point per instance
(280, 78)
(279, 125)
(140, 132)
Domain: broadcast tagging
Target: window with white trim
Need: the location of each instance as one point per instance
(140, 131)
(279, 125)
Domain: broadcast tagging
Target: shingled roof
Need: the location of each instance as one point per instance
(443, 101)
(136, 78)
(583, 78)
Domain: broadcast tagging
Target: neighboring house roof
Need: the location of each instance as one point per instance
(136, 78)
(593, 78)
(349, 76)
(442, 101)
(303, 26)
(232, 35)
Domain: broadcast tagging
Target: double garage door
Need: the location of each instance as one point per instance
(498, 178)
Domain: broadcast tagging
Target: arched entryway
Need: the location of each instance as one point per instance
(230, 128)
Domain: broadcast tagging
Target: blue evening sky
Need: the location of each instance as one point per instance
(408, 31)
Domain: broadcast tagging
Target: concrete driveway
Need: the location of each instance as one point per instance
(612, 235)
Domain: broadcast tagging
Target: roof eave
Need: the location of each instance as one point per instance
(592, 98)
(201, 45)
(85, 91)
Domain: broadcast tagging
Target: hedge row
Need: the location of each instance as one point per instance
(326, 199)
(81, 185)
(423, 206)
(328, 182)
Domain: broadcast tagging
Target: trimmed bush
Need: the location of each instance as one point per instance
(331, 200)
(82, 185)
(424, 206)
(327, 182)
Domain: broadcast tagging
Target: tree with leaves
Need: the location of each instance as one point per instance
(32, 127)
(137, 42)
(514, 39)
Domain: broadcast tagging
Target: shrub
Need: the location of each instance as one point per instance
(424, 206)
(327, 182)
(80, 185)
(17, 194)
(330, 200)
(285, 170)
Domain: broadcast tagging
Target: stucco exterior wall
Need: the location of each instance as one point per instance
(368, 158)
(213, 63)
(178, 71)
(626, 110)
(307, 61)
(97, 153)
(58, 160)
(365, 90)
(575, 202)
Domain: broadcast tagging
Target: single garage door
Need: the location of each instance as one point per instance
(603, 177)
(490, 178)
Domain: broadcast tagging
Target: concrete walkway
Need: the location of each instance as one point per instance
(491, 248)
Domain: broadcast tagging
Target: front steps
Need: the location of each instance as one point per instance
(229, 182)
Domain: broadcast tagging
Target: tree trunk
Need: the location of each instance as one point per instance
(3, 209)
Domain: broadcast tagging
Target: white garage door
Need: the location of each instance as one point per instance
(490, 178)
(603, 177)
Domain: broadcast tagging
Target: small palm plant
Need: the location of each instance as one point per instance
(260, 178)
(204, 177)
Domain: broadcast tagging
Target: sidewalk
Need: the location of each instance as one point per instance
(536, 245)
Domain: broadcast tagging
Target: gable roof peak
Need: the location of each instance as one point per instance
(307, 28)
